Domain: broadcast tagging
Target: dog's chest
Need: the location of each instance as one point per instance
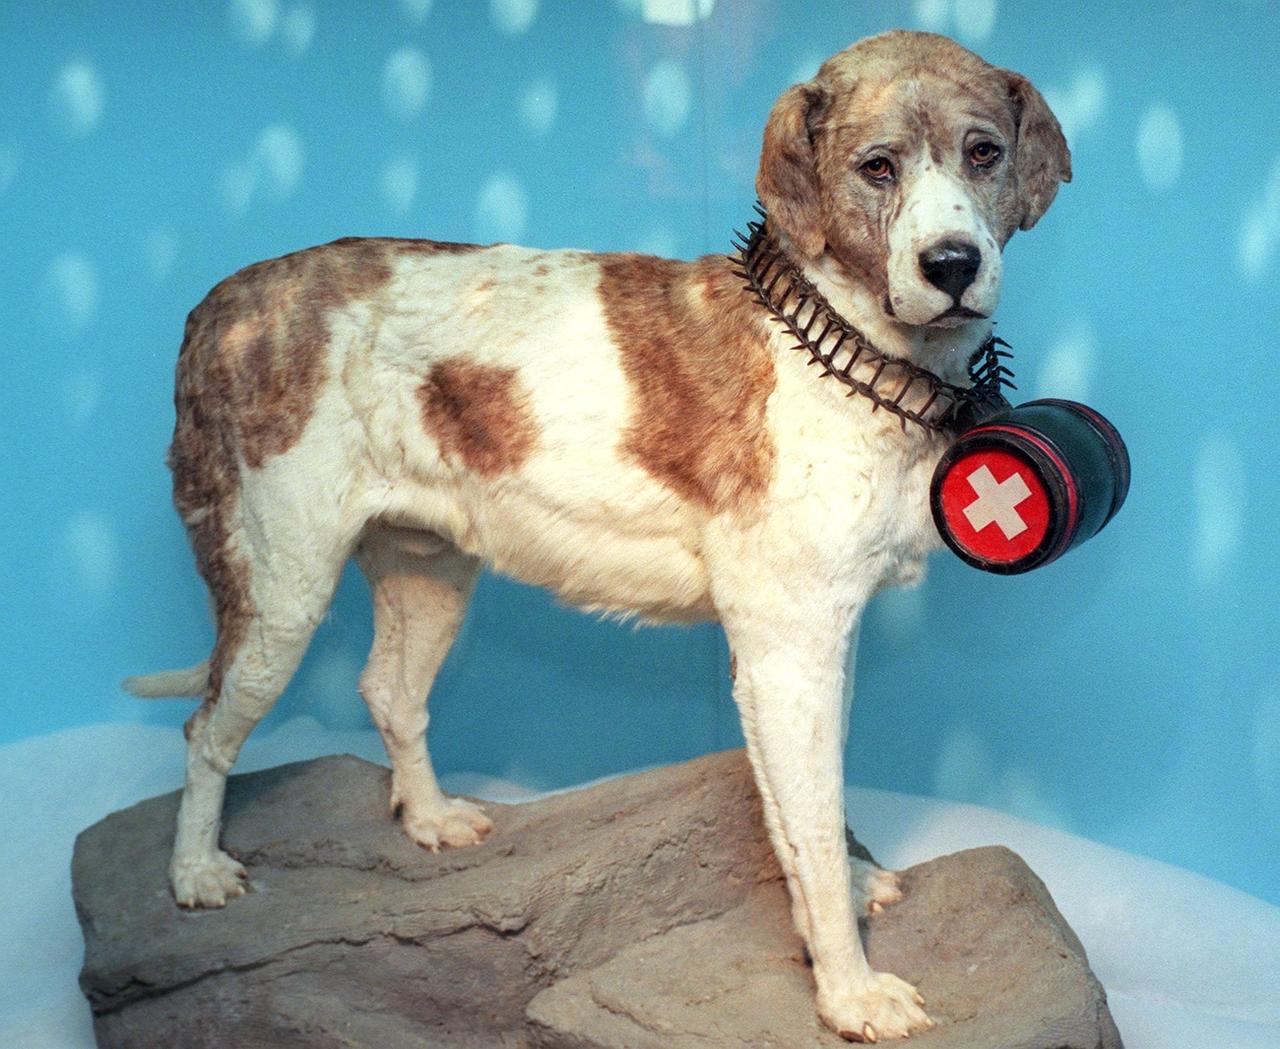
(856, 481)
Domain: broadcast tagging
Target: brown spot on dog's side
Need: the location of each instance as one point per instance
(696, 356)
(479, 415)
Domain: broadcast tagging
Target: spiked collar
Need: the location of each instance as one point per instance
(912, 393)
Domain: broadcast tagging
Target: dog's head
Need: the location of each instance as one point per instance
(911, 161)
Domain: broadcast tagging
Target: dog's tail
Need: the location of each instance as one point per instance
(169, 683)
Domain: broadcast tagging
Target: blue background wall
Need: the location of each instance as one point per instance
(1130, 692)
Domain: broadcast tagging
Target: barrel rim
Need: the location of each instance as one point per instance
(1056, 478)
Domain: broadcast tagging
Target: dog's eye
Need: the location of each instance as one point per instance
(984, 154)
(878, 169)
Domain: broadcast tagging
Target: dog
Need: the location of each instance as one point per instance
(637, 434)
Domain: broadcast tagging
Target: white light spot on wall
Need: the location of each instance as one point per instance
(502, 210)
(1271, 194)
(92, 552)
(279, 158)
(73, 280)
(406, 83)
(1068, 367)
(806, 68)
(964, 771)
(399, 184)
(1260, 229)
(274, 166)
(538, 104)
(975, 19)
(254, 20)
(1264, 748)
(1218, 489)
(160, 248)
(667, 97)
(331, 690)
(900, 612)
(513, 17)
(238, 184)
(1019, 793)
(81, 395)
(660, 240)
(78, 97)
(1080, 106)
(10, 162)
(1256, 244)
(298, 28)
(971, 20)
(932, 14)
(1159, 145)
(415, 10)
(676, 12)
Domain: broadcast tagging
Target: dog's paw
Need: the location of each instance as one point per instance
(208, 881)
(455, 823)
(883, 1008)
(874, 888)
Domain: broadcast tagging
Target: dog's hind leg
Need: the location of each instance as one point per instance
(420, 585)
(268, 600)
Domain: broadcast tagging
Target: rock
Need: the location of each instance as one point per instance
(645, 911)
(977, 934)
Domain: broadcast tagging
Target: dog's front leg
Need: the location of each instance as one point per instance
(789, 689)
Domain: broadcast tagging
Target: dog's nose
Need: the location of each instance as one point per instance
(951, 265)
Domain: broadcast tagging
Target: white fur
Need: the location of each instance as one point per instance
(936, 207)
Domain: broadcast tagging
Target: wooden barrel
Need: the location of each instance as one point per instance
(1026, 485)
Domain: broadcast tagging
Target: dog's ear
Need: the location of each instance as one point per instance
(787, 182)
(1041, 158)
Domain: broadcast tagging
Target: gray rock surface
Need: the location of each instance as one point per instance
(647, 911)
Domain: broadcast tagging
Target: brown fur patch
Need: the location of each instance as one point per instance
(695, 354)
(478, 415)
(787, 180)
(261, 336)
(251, 365)
(421, 247)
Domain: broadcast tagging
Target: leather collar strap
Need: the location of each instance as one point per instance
(912, 393)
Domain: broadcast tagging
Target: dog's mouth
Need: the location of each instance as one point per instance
(952, 316)
(957, 314)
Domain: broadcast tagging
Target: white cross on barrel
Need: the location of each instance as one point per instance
(997, 501)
